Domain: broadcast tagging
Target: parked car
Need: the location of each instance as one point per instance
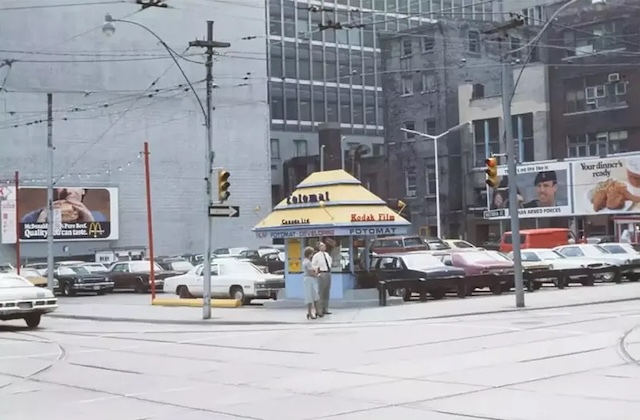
(459, 244)
(230, 278)
(620, 249)
(229, 252)
(74, 279)
(33, 276)
(134, 275)
(178, 265)
(271, 260)
(95, 267)
(557, 261)
(6, 267)
(68, 263)
(482, 263)
(414, 266)
(395, 244)
(597, 252)
(19, 299)
(41, 267)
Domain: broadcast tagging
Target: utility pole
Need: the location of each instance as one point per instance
(209, 44)
(50, 215)
(507, 95)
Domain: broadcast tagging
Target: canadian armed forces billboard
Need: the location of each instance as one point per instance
(78, 214)
(582, 187)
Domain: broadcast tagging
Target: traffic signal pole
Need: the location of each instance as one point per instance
(209, 44)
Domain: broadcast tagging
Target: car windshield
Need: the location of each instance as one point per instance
(80, 270)
(143, 266)
(13, 281)
(619, 248)
(462, 244)
(550, 255)
(181, 265)
(29, 272)
(240, 268)
(94, 268)
(473, 257)
(421, 261)
(594, 251)
(530, 256)
(436, 245)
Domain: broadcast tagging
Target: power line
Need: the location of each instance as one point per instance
(59, 5)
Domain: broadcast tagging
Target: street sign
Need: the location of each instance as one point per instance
(224, 211)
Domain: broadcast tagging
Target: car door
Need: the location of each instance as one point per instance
(195, 284)
(219, 281)
(119, 275)
(389, 267)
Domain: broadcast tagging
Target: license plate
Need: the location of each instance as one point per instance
(25, 304)
(96, 287)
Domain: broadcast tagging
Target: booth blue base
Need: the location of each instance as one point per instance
(340, 282)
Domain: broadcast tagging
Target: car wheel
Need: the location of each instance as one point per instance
(406, 295)
(496, 289)
(537, 285)
(633, 277)
(67, 290)
(183, 292)
(398, 292)
(246, 301)
(140, 288)
(32, 320)
(438, 294)
(109, 290)
(101, 292)
(237, 293)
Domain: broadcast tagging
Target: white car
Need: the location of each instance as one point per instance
(620, 249)
(230, 278)
(556, 261)
(19, 299)
(598, 253)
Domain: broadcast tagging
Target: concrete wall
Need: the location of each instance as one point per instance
(85, 69)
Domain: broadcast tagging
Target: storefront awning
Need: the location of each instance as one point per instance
(331, 203)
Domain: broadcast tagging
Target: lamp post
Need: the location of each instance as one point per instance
(342, 140)
(209, 44)
(322, 158)
(436, 164)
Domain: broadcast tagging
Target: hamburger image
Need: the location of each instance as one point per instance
(68, 213)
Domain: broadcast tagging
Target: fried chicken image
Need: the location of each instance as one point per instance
(612, 195)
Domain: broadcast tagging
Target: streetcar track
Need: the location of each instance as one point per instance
(62, 355)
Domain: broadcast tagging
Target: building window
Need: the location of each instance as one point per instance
(430, 177)
(409, 125)
(428, 82)
(595, 92)
(597, 144)
(428, 43)
(516, 43)
(275, 149)
(378, 149)
(407, 85)
(474, 42)
(406, 47)
(430, 126)
(300, 148)
(523, 136)
(486, 140)
(593, 39)
(410, 182)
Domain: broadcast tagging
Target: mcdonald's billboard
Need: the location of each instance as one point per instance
(78, 214)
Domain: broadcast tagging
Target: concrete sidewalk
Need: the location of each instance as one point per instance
(137, 308)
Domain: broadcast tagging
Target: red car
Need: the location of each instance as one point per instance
(482, 263)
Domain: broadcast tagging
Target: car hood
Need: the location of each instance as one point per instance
(444, 270)
(27, 292)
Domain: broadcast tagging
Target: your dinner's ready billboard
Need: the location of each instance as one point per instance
(608, 185)
(543, 190)
(79, 214)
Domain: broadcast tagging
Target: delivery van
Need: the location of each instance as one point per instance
(539, 238)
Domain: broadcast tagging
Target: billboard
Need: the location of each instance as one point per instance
(79, 214)
(543, 190)
(607, 185)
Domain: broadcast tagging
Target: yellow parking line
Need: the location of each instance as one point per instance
(193, 303)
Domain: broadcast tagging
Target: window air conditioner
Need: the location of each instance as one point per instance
(614, 77)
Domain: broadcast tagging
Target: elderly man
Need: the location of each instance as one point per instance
(321, 261)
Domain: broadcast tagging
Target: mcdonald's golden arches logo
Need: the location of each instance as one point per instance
(95, 229)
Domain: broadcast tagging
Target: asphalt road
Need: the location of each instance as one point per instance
(565, 363)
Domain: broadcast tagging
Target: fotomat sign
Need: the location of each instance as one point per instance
(308, 198)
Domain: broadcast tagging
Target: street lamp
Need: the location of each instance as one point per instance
(209, 44)
(436, 164)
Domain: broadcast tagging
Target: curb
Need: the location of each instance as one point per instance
(196, 303)
(219, 321)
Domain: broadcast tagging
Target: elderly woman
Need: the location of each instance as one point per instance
(310, 283)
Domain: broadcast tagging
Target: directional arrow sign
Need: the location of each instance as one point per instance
(224, 211)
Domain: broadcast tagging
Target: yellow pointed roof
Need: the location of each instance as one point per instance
(332, 200)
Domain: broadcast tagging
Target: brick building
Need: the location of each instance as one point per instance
(594, 84)
(422, 69)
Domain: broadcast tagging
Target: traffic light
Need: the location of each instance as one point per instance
(223, 185)
(492, 172)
